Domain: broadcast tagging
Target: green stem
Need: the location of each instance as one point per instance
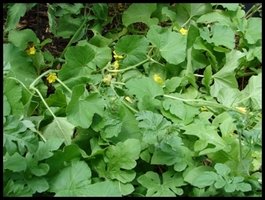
(67, 88)
(124, 103)
(44, 102)
(203, 102)
(128, 68)
(186, 22)
(240, 145)
(13, 78)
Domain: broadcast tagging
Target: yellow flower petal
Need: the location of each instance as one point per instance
(107, 79)
(116, 64)
(242, 109)
(128, 99)
(51, 78)
(116, 56)
(158, 79)
(31, 51)
(183, 31)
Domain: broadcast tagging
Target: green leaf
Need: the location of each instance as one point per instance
(57, 161)
(13, 94)
(15, 162)
(153, 125)
(215, 16)
(44, 150)
(7, 107)
(253, 91)
(80, 110)
(144, 86)
(206, 133)
(60, 129)
(139, 13)
(253, 30)
(230, 6)
(15, 12)
(102, 55)
(244, 187)
(207, 77)
(204, 179)
(225, 77)
(21, 66)
(134, 49)
(222, 169)
(21, 38)
(121, 158)
(103, 189)
(171, 45)
(192, 173)
(169, 186)
(76, 66)
(38, 184)
(172, 84)
(165, 152)
(71, 179)
(220, 35)
(195, 9)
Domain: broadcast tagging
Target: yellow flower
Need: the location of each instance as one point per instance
(107, 79)
(116, 64)
(158, 79)
(183, 31)
(128, 99)
(116, 56)
(242, 109)
(31, 51)
(203, 108)
(51, 78)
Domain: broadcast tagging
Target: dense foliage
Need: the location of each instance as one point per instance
(143, 100)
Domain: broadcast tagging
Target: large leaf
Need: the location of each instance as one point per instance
(14, 13)
(253, 92)
(72, 179)
(13, 94)
(21, 38)
(207, 134)
(169, 186)
(134, 48)
(76, 66)
(144, 87)
(220, 35)
(171, 45)
(139, 13)
(225, 77)
(121, 159)
(81, 109)
(19, 65)
(153, 125)
(253, 30)
(201, 176)
(60, 129)
(15, 162)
